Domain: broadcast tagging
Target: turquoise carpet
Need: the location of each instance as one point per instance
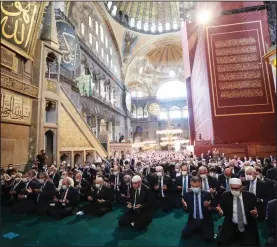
(165, 230)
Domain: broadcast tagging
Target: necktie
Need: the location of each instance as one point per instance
(227, 184)
(128, 188)
(251, 189)
(240, 216)
(184, 185)
(197, 207)
(205, 184)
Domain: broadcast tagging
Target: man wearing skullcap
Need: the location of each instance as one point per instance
(140, 206)
(240, 212)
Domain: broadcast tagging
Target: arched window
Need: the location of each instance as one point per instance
(145, 112)
(163, 114)
(146, 26)
(132, 22)
(175, 25)
(90, 38)
(171, 90)
(109, 5)
(175, 112)
(106, 41)
(153, 28)
(134, 110)
(139, 112)
(96, 28)
(111, 51)
(89, 21)
(82, 28)
(102, 52)
(114, 10)
(107, 59)
(111, 63)
(167, 26)
(139, 25)
(102, 33)
(160, 27)
(96, 45)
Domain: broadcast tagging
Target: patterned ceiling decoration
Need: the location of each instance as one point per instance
(151, 17)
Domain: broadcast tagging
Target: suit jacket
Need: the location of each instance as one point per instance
(145, 198)
(166, 181)
(261, 191)
(85, 189)
(33, 184)
(249, 202)
(112, 179)
(189, 199)
(47, 193)
(56, 178)
(271, 217)
(271, 174)
(222, 179)
(236, 169)
(72, 196)
(105, 193)
(15, 186)
(125, 189)
(179, 182)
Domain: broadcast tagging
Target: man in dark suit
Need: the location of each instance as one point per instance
(269, 184)
(125, 189)
(82, 186)
(197, 203)
(190, 166)
(240, 221)
(100, 200)
(116, 179)
(10, 170)
(210, 184)
(27, 197)
(232, 165)
(140, 206)
(45, 193)
(162, 186)
(258, 187)
(54, 176)
(224, 179)
(65, 201)
(271, 173)
(271, 222)
(182, 185)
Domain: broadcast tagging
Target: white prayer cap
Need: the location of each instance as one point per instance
(159, 168)
(136, 179)
(235, 181)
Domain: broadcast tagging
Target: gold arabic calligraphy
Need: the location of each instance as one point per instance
(22, 15)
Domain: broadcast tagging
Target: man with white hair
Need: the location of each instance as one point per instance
(100, 200)
(54, 175)
(140, 206)
(65, 201)
(162, 186)
(240, 216)
(232, 165)
(259, 188)
(63, 176)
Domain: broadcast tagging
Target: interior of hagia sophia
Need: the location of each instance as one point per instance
(86, 80)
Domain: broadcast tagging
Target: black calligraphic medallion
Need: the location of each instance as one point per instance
(69, 45)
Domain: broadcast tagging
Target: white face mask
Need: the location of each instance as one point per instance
(235, 193)
(64, 187)
(10, 168)
(195, 190)
(177, 170)
(24, 180)
(97, 186)
(249, 178)
(212, 174)
(184, 173)
(159, 174)
(203, 175)
(62, 177)
(77, 180)
(41, 181)
(115, 173)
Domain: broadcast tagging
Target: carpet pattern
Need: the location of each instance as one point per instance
(165, 230)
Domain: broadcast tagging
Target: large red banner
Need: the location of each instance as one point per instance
(240, 79)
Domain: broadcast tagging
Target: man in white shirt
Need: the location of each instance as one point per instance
(240, 222)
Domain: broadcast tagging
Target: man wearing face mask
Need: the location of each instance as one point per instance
(12, 189)
(197, 203)
(224, 179)
(63, 176)
(182, 184)
(209, 184)
(27, 197)
(65, 202)
(82, 186)
(240, 216)
(116, 180)
(10, 170)
(100, 200)
(162, 186)
(140, 206)
(45, 193)
(257, 187)
(235, 169)
(147, 170)
(90, 173)
(125, 189)
(54, 176)
(241, 173)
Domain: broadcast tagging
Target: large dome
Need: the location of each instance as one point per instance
(151, 17)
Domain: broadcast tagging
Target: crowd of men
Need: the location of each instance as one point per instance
(242, 190)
